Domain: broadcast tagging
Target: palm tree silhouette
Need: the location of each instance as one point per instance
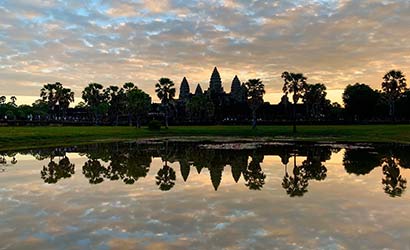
(166, 176)
(255, 90)
(294, 83)
(2, 99)
(394, 184)
(13, 100)
(253, 175)
(166, 92)
(297, 184)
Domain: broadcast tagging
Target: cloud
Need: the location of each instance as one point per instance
(113, 42)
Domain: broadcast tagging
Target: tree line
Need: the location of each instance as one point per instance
(301, 102)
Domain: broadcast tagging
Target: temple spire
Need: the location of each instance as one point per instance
(198, 90)
(236, 90)
(184, 90)
(215, 83)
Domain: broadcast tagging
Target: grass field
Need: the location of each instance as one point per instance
(29, 137)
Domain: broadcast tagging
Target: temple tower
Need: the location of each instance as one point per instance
(198, 90)
(215, 83)
(236, 90)
(184, 90)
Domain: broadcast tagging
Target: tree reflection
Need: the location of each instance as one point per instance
(53, 172)
(297, 184)
(284, 156)
(3, 161)
(253, 175)
(94, 171)
(137, 167)
(403, 156)
(360, 161)
(394, 184)
(13, 160)
(166, 176)
(117, 168)
(125, 162)
(313, 165)
(129, 162)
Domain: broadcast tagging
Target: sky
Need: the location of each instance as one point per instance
(335, 42)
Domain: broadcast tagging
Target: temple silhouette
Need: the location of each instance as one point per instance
(215, 88)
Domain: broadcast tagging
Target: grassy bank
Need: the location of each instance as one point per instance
(25, 137)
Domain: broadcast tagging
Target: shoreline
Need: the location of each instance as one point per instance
(13, 138)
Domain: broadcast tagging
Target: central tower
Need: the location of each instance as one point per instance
(215, 84)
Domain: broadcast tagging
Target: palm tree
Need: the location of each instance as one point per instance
(13, 100)
(57, 98)
(64, 96)
(294, 83)
(255, 90)
(166, 92)
(2, 99)
(47, 93)
(393, 85)
(96, 100)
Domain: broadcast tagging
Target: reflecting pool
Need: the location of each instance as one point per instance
(185, 195)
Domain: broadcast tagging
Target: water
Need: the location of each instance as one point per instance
(179, 195)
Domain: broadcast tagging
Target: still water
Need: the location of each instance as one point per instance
(183, 195)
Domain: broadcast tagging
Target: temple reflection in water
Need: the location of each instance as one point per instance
(302, 163)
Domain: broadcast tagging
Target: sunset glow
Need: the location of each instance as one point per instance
(112, 42)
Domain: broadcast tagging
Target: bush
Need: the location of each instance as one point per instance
(154, 125)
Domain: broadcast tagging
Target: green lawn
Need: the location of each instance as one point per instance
(28, 137)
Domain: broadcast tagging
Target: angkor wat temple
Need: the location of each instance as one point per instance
(214, 105)
(215, 88)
